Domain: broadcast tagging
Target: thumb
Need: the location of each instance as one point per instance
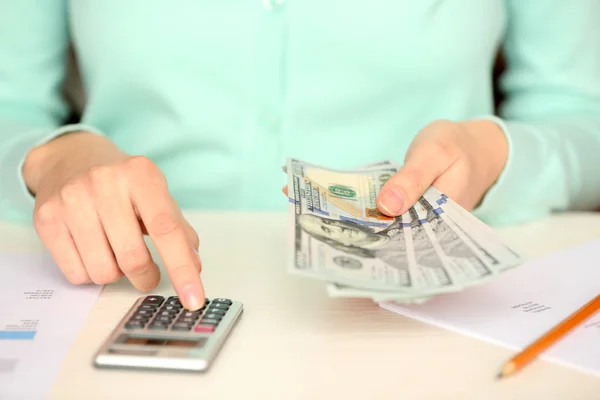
(422, 167)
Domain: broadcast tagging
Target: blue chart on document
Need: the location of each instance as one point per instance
(40, 316)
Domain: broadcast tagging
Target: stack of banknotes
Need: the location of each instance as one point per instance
(339, 236)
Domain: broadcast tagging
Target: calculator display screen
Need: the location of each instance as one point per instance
(138, 341)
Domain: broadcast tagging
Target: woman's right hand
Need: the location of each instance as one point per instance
(94, 203)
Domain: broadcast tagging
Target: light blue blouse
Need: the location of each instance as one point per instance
(219, 92)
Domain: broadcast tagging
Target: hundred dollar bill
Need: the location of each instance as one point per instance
(488, 242)
(339, 236)
(337, 290)
(350, 195)
(426, 256)
(338, 233)
(458, 248)
(462, 259)
(468, 228)
(345, 252)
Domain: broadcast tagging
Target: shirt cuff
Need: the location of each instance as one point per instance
(16, 201)
(519, 195)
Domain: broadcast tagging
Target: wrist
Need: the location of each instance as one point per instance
(64, 154)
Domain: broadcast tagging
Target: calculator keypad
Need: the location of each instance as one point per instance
(159, 314)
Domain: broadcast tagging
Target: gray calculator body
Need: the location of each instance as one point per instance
(166, 336)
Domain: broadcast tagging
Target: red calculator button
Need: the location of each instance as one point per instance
(204, 328)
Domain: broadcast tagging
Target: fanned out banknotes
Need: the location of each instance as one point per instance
(339, 236)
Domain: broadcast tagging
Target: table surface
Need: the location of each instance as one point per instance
(294, 342)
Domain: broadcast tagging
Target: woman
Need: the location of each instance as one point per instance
(212, 96)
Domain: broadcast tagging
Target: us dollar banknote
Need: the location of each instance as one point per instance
(338, 236)
(461, 258)
(352, 194)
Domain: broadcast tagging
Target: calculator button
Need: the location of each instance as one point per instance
(158, 326)
(186, 320)
(170, 307)
(154, 300)
(135, 324)
(220, 306)
(209, 321)
(165, 319)
(204, 328)
(150, 307)
(167, 313)
(181, 326)
(213, 316)
(174, 300)
(149, 313)
(223, 301)
(216, 311)
(144, 318)
(190, 314)
(140, 317)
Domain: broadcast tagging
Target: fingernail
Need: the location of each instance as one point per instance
(392, 201)
(191, 296)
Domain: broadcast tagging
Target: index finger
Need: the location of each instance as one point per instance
(165, 225)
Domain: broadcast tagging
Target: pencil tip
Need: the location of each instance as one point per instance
(507, 370)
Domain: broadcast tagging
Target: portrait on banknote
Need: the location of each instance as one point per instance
(350, 237)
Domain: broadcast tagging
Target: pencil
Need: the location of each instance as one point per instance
(533, 350)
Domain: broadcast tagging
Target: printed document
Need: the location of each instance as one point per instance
(522, 304)
(41, 314)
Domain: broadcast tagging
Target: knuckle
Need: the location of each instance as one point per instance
(77, 277)
(101, 173)
(148, 288)
(446, 149)
(102, 270)
(102, 181)
(133, 260)
(444, 124)
(73, 192)
(140, 165)
(46, 214)
(181, 268)
(447, 144)
(105, 275)
(163, 224)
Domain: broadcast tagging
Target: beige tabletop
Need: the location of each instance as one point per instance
(294, 342)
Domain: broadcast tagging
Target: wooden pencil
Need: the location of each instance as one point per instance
(555, 334)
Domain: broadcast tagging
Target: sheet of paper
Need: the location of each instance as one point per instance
(522, 304)
(40, 316)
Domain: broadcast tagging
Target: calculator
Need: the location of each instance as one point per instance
(159, 333)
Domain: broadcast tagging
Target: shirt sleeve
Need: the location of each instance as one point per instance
(551, 112)
(33, 48)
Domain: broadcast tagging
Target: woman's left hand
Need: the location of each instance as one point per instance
(461, 159)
